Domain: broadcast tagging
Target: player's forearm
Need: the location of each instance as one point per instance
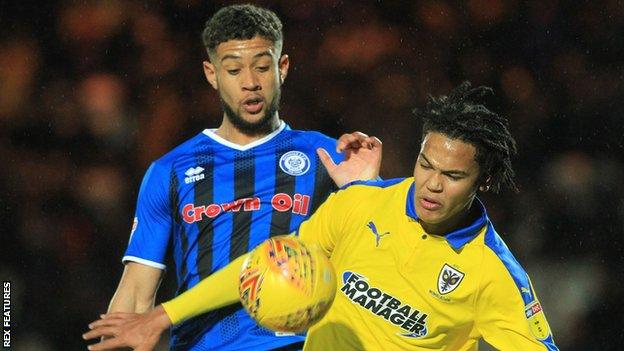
(127, 299)
(218, 290)
(137, 288)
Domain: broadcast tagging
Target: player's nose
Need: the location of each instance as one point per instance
(434, 184)
(250, 81)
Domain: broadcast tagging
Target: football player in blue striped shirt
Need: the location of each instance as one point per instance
(225, 190)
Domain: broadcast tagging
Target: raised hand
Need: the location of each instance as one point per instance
(362, 158)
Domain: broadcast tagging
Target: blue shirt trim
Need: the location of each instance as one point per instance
(410, 208)
(377, 183)
(519, 276)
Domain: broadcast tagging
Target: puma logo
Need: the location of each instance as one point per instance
(378, 236)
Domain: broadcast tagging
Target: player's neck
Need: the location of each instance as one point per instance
(229, 132)
(461, 220)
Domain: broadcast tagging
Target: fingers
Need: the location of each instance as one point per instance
(374, 142)
(326, 160)
(356, 140)
(107, 344)
(106, 322)
(348, 139)
(100, 331)
(124, 315)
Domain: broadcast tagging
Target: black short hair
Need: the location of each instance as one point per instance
(458, 117)
(241, 22)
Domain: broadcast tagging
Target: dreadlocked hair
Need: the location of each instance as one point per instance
(457, 116)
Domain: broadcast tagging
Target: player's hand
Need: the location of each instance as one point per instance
(141, 332)
(362, 158)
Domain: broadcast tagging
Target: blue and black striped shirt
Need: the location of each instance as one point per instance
(209, 201)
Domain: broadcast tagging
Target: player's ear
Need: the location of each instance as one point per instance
(211, 74)
(284, 63)
(485, 184)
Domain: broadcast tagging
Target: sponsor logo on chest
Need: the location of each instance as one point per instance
(282, 202)
(357, 288)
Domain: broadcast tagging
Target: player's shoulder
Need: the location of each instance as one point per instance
(495, 246)
(184, 149)
(376, 183)
(376, 187)
(311, 136)
(498, 254)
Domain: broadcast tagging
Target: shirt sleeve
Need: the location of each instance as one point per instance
(152, 225)
(326, 226)
(508, 314)
(329, 144)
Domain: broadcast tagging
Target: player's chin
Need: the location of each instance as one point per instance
(429, 216)
(253, 118)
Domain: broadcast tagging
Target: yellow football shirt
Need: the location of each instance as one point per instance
(400, 288)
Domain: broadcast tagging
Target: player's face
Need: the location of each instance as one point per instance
(248, 75)
(445, 177)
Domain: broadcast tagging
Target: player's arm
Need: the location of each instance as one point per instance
(145, 255)
(137, 289)
(142, 331)
(510, 317)
(320, 229)
(362, 158)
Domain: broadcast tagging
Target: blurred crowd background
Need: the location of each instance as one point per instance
(92, 91)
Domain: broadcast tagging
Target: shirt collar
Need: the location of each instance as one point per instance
(211, 133)
(459, 237)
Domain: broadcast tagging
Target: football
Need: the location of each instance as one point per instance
(286, 285)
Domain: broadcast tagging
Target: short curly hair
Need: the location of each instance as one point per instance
(458, 117)
(241, 22)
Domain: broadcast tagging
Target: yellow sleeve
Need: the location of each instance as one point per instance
(509, 315)
(204, 297)
(325, 227)
(322, 228)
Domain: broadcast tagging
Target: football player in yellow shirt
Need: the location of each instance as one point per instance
(419, 263)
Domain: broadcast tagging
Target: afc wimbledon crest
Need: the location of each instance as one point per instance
(294, 163)
(449, 279)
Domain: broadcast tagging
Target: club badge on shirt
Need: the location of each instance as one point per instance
(449, 279)
(295, 163)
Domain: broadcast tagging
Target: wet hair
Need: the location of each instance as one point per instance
(458, 116)
(241, 22)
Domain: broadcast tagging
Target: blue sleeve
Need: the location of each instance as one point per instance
(152, 225)
(329, 144)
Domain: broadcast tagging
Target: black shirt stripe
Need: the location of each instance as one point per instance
(323, 185)
(244, 187)
(284, 183)
(204, 195)
(174, 200)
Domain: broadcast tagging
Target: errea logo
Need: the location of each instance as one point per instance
(193, 174)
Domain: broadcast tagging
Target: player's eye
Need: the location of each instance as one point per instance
(233, 72)
(424, 166)
(453, 178)
(263, 68)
